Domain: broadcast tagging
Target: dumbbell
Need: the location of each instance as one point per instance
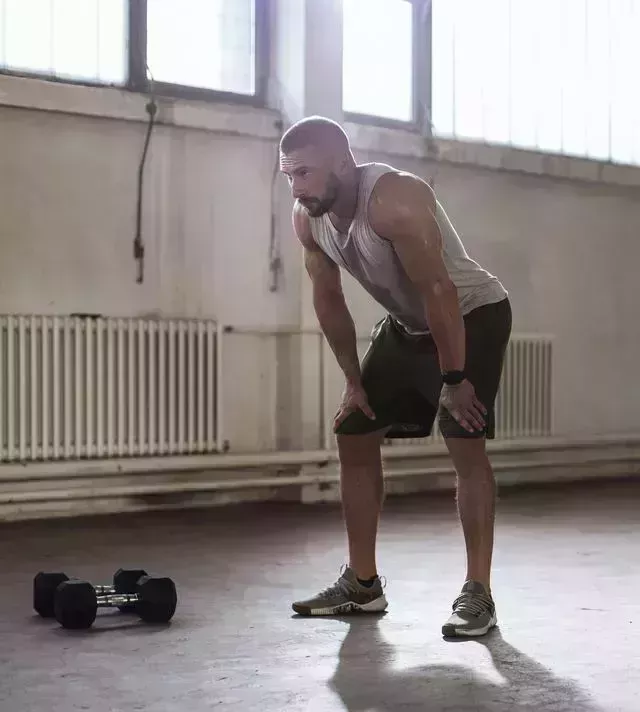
(45, 585)
(76, 602)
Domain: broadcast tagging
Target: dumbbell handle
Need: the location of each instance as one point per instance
(105, 590)
(111, 600)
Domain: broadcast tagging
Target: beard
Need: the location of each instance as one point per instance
(316, 207)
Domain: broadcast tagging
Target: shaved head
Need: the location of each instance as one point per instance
(316, 131)
(316, 157)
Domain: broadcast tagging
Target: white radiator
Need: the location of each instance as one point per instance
(524, 402)
(84, 387)
(525, 398)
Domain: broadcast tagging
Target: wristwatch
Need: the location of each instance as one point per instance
(453, 378)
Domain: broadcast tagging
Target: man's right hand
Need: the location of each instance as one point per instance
(353, 398)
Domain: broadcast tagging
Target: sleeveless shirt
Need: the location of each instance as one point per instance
(374, 263)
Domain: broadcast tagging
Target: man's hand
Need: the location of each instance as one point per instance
(464, 406)
(353, 398)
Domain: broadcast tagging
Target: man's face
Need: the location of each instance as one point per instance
(314, 184)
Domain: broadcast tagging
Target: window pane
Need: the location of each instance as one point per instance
(556, 77)
(209, 44)
(378, 58)
(82, 40)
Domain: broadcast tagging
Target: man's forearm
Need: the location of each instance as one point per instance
(337, 325)
(447, 328)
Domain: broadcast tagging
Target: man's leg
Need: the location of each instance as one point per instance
(476, 496)
(487, 334)
(358, 589)
(474, 611)
(362, 489)
(361, 484)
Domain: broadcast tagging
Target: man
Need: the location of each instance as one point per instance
(438, 352)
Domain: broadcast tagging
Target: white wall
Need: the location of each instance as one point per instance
(566, 249)
(68, 201)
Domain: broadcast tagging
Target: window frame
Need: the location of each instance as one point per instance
(420, 121)
(137, 81)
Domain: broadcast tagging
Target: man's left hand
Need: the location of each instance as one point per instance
(464, 406)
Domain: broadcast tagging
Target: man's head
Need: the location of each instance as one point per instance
(316, 158)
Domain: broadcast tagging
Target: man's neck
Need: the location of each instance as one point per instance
(345, 206)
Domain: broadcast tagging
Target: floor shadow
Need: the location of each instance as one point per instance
(365, 680)
(111, 622)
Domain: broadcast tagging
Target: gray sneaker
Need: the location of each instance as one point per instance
(347, 595)
(474, 612)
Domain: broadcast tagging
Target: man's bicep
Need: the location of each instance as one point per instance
(419, 248)
(404, 213)
(323, 271)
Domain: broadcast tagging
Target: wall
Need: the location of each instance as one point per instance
(68, 204)
(566, 249)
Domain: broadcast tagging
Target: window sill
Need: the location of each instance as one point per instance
(123, 105)
(406, 143)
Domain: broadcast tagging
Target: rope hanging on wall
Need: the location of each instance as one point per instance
(275, 255)
(138, 244)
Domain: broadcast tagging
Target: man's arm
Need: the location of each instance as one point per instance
(329, 303)
(402, 210)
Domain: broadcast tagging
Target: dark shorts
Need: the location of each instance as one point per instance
(402, 378)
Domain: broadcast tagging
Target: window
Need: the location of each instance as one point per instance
(208, 44)
(552, 76)
(378, 65)
(191, 45)
(82, 40)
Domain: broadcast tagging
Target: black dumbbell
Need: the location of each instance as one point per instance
(124, 581)
(45, 585)
(77, 602)
(44, 589)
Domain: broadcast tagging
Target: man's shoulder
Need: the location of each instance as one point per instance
(398, 195)
(401, 182)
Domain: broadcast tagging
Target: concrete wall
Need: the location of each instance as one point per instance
(562, 234)
(68, 201)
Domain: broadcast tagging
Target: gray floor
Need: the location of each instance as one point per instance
(566, 582)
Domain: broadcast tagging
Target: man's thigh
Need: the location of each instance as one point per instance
(401, 377)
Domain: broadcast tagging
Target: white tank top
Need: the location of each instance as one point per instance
(373, 262)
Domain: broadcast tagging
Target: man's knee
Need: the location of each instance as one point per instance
(470, 459)
(360, 450)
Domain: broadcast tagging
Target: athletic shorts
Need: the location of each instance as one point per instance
(402, 378)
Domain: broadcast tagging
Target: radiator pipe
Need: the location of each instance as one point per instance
(261, 461)
(88, 493)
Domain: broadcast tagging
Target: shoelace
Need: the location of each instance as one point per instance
(342, 586)
(473, 603)
(338, 588)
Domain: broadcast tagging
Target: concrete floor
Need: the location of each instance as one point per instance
(566, 583)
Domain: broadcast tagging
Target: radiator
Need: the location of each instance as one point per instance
(524, 403)
(83, 387)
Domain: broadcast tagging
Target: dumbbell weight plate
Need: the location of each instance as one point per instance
(125, 581)
(158, 599)
(44, 589)
(76, 604)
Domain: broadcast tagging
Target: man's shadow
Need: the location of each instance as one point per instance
(365, 679)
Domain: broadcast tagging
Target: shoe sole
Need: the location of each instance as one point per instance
(451, 631)
(376, 606)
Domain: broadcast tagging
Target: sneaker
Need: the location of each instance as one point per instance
(474, 612)
(347, 595)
